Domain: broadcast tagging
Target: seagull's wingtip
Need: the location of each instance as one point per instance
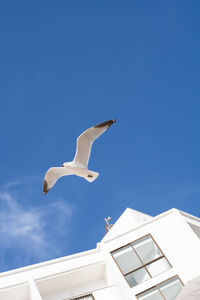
(106, 123)
(45, 187)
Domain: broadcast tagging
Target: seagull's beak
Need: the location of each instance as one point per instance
(62, 165)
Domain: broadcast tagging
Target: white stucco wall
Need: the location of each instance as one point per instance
(96, 272)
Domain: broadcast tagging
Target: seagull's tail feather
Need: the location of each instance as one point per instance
(91, 176)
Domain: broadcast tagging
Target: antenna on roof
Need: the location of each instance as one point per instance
(108, 225)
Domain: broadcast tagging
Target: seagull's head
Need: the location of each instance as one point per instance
(64, 164)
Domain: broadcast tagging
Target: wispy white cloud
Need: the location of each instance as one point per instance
(32, 233)
(20, 181)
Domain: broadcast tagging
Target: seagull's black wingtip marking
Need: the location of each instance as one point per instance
(107, 123)
(45, 187)
(90, 176)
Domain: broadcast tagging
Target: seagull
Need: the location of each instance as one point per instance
(79, 165)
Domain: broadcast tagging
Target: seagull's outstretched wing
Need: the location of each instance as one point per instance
(85, 140)
(52, 175)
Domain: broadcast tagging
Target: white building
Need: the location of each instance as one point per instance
(141, 257)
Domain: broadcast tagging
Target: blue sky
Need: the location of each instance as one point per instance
(68, 65)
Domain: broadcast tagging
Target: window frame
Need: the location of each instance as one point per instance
(143, 264)
(80, 297)
(157, 286)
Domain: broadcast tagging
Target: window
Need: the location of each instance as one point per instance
(86, 297)
(167, 290)
(140, 260)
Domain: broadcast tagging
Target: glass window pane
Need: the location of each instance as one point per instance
(127, 259)
(152, 294)
(171, 288)
(137, 277)
(159, 266)
(147, 249)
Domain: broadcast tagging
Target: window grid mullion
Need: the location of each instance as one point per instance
(144, 266)
(148, 272)
(157, 287)
(137, 254)
(151, 263)
(161, 292)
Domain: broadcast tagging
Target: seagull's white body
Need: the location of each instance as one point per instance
(79, 165)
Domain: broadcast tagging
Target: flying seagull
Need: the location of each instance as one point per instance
(80, 162)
